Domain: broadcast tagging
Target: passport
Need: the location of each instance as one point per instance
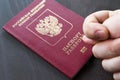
(54, 33)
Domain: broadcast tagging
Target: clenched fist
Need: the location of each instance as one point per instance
(102, 29)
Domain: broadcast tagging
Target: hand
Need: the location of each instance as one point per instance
(102, 29)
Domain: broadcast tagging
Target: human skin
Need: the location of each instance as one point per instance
(102, 30)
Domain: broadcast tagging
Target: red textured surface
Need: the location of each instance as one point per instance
(51, 48)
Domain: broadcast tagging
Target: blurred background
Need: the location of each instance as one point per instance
(18, 62)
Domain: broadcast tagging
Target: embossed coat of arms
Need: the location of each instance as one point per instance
(49, 26)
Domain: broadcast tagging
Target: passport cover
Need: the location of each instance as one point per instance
(54, 33)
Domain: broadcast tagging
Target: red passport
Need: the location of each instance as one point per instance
(54, 33)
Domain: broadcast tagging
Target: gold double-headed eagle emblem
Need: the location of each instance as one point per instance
(49, 26)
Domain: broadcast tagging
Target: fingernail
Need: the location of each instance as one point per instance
(87, 40)
(84, 38)
(116, 76)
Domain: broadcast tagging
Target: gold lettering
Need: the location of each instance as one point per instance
(36, 10)
(31, 13)
(83, 50)
(73, 43)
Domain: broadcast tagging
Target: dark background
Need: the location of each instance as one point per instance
(17, 62)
